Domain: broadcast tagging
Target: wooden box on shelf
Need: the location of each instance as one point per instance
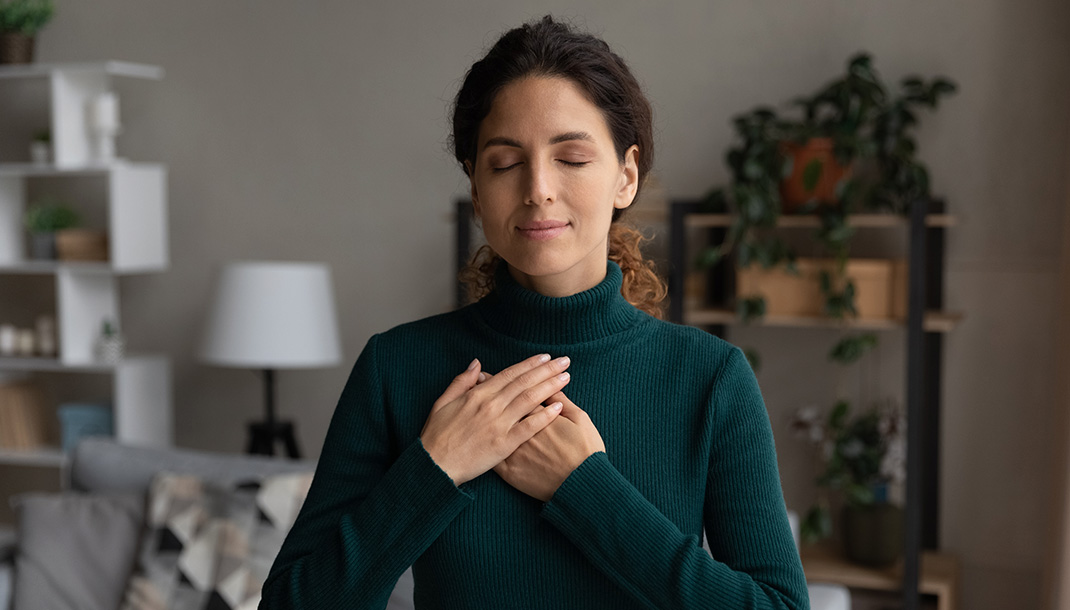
(938, 575)
(880, 287)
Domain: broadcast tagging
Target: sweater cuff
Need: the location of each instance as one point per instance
(425, 483)
(593, 487)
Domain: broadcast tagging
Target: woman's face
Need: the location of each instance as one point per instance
(545, 183)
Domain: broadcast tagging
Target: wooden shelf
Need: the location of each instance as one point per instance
(811, 221)
(935, 321)
(938, 575)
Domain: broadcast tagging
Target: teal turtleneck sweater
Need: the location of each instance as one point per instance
(688, 447)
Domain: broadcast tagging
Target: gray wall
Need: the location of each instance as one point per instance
(317, 131)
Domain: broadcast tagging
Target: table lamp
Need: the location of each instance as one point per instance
(267, 316)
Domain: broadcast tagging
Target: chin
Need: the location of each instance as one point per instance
(540, 267)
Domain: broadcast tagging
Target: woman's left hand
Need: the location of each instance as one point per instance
(539, 466)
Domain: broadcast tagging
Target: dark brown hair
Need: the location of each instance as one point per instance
(551, 48)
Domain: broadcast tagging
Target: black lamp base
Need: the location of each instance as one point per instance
(263, 436)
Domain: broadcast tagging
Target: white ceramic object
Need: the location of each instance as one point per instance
(40, 152)
(104, 122)
(25, 343)
(8, 339)
(46, 336)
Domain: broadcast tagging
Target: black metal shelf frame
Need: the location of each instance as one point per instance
(924, 356)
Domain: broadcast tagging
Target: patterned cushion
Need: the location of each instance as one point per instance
(206, 547)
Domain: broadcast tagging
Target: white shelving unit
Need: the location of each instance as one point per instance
(135, 217)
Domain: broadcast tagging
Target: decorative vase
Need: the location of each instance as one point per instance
(110, 346)
(873, 534)
(46, 336)
(816, 154)
(15, 48)
(25, 343)
(9, 339)
(40, 152)
(43, 246)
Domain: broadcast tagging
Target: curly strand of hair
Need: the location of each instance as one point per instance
(641, 286)
(478, 275)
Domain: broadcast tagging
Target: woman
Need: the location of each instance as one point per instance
(576, 460)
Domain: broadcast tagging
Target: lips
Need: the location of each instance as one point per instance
(537, 225)
(542, 229)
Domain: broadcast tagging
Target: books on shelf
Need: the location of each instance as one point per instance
(26, 419)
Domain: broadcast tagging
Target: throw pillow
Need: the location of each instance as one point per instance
(75, 551)
(208, 547)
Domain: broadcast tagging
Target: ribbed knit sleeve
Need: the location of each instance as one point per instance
(367, 516)
(754, 563)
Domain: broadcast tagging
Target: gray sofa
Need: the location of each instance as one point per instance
(120, 475)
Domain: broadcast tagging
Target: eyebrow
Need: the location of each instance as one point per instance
(564, 137)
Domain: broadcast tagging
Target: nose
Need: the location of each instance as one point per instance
(541, 186)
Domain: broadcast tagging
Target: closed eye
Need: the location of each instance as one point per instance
(509, 167)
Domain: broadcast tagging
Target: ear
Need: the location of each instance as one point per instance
(472, 187)
(629, 179)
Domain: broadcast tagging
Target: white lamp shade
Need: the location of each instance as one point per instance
(272, 315)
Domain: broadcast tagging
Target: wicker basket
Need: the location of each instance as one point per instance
(16, 48)
(82, 245)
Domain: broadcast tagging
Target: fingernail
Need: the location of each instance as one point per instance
(544, 358)
(482, 376)
(555, 407)
(562, 361)
(563, 376)
(472, 367)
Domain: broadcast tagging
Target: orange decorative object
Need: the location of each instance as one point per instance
(816, 154)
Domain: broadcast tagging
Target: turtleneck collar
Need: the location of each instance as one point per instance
(585, 316)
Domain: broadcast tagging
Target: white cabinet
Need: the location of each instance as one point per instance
(128, 200)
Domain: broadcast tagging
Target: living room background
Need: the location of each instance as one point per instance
(316, 131)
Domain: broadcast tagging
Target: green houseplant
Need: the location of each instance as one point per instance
(871, 153)
(20, 20)
(862, 456)
(42, 220)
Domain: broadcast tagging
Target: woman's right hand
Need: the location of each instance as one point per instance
(474, 426)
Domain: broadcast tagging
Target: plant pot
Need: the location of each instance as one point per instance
(815, 155)
(873, 535)
(43, 246)
(82, 245)
(16, 48)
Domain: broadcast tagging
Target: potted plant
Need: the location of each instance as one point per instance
(863, 455)
(20, 21)
(42, 220)
(850, 150)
